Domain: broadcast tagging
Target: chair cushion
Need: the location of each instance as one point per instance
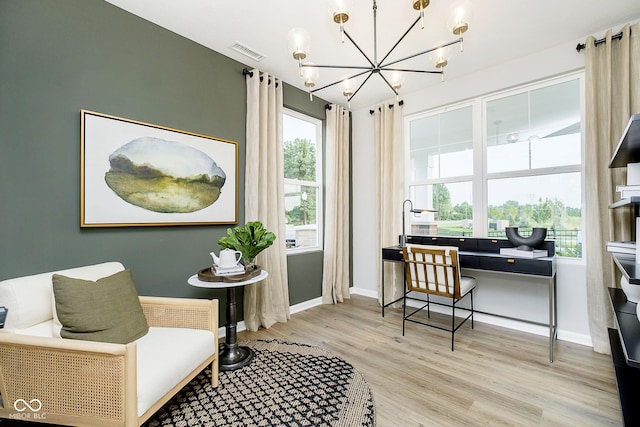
(29, 298)
(174, 352)
(106, 310)
(43, 329)
(466, 285)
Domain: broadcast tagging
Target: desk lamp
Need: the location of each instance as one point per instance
(403, 238)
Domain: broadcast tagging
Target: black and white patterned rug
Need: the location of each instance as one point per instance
(286, 384)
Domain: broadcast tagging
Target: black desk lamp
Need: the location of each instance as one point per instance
(403, 238)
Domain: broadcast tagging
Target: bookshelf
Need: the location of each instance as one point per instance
(625, 342)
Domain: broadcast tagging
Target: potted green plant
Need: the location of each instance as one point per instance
(250, 240)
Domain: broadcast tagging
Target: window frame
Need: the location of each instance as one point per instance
(318, 183)
(481, 177)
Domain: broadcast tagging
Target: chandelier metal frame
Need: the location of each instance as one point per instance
(377, 67)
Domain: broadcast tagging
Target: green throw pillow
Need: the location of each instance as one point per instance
(107, 310)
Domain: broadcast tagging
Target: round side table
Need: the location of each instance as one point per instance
(231, 355)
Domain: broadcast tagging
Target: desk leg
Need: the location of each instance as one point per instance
(553, 316)
(382, 283)
(232, 356)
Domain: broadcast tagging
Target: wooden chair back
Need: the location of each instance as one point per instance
(432, 270)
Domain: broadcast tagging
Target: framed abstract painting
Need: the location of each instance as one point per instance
(141, 174)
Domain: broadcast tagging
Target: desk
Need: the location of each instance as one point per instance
(484, 254)
(232, 356)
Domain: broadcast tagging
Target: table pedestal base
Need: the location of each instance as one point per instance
(233, 356)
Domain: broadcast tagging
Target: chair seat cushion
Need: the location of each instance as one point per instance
(165, 357)
(43, 329)
(466, 285)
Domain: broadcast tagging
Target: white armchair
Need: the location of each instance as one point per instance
(75, 382)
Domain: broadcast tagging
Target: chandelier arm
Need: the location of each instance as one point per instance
(348, 67)
(368, 70)
(360, 87)
(401, 38)
(408, 70)
(388, 84)
(423, 52)
(358, 47)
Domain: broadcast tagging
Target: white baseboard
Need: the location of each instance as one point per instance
(568, 336)
(364, 292)
(305, 305)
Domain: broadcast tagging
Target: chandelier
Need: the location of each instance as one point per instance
(298, 40)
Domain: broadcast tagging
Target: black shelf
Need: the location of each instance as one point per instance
(631, 201)
(628, 326)
(628, 149)
(626, 263)
(627, 380)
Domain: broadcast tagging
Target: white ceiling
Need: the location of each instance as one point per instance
(500, 31)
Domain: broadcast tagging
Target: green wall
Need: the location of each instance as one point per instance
(58, 57)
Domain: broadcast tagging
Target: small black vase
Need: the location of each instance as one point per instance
(526, 243)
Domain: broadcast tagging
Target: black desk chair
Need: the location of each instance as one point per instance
(434, 270)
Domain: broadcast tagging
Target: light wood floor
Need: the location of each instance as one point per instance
(495, 376)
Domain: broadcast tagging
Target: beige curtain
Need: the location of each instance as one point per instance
(612, 95)
(390, 191)
(267, 302)
(335, 269)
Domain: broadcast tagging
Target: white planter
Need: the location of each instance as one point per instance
(631, 291)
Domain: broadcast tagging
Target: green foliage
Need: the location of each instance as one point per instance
(442, 202)
(300, 160)
(250, 240)
(300, 164)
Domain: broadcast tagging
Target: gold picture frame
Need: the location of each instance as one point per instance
(140, 174)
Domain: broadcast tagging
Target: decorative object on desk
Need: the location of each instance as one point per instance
(208, 275)
(519, 253)
(285, 384)
(250, 240)
(537, 236)
(403, 238)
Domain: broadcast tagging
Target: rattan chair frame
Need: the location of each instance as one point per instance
(424, 257)
(86, 383)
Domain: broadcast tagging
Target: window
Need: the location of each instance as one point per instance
(507, 159)
(302, 139)
(441, 171)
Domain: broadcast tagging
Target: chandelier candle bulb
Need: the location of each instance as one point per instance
(420, 5)
(298, 39)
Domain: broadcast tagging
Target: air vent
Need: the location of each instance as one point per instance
(247, 51)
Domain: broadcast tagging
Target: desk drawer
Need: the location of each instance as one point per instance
(517, 265)
(392, 254)
(464, 243)
(493, 245)
(469, 261)
(431, 240)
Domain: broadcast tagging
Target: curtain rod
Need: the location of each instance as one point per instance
(246, 71)
(581, 46)
(401, 102)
